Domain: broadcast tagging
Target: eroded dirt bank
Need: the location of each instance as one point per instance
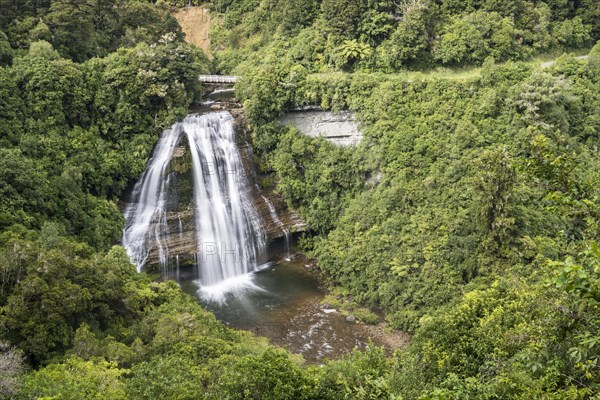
(195, 22)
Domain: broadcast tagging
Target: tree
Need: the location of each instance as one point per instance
(572, 33)
(376, 26)
(271, 374)
(357, 375)
(74, 379)
(12, 11)
(410, 41)
(473, 37)
(12, 366)
(580, 279)
(351, 52)
(589, 11)
(495, 216)
(293, 15)
(6, 52)
(341, 18)
(24, 191)
(543, 101)
(64, 285)
(11, 109)
(72, 26)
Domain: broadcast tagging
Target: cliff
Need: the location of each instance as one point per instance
(180, 236)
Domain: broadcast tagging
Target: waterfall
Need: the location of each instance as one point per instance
(286, 232)
(228, 228)
(146, 220)
(229, 235)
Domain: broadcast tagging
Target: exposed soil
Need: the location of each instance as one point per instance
(195, 22)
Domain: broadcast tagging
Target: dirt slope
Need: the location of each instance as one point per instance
(195, 22)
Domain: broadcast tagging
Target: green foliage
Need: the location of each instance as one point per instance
(82, 29)
(495, 218)
(572, 33)
(315, 177)
(290, 16)
(73, 27)
(349, 52)
(410, 41)
(393, 35)
(451, 215)
(481, 182)
(45, 305)
(166, 377)
(473, 37)
(534, 335)
(142, 340)
(24, 191)
(581, 282)
(71, 132)
(269, 375)
(75, 379)
(6, 52)
(360, 375)
(341, 18)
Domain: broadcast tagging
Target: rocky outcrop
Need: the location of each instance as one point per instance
(338, 127)
(180, 239)
(261, 198)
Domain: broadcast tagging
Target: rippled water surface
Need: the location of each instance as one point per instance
(283, 303)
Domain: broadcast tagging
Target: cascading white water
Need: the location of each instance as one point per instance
(229, 235)
(146, 223)
(228, 228)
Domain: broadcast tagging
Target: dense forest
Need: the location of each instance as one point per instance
(387, 35)
(469, 213)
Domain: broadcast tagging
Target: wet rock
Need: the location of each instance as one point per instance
(329, 310)
(181, 237)
(351, 318)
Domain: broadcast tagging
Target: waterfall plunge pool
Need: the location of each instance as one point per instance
(282, 302)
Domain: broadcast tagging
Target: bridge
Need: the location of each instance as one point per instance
(218, 79)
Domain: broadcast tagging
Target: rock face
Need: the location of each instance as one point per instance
(264, 200)
(338, 127)
(180, 238)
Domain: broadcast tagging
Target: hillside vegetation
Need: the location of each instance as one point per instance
(386, 35)
(478, 233)
(469, 213)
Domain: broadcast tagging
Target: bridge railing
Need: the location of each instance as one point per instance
(217, 79)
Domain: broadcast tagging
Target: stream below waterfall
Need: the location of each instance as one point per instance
(285, 306)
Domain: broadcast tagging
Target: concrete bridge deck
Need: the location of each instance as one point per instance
(218, 79)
